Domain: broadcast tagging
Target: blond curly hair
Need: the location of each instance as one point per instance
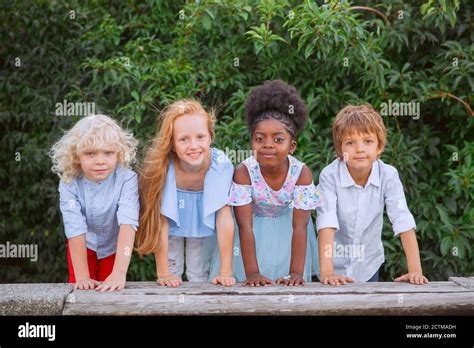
(90, 133)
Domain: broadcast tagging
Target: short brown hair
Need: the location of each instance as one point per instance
(359, 118)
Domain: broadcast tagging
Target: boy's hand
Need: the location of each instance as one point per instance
(256, 279)
(169, 280)
(335, 279)
(224, 279)
(115, 281)
(86, 283)
(413, 277)
(292, 279)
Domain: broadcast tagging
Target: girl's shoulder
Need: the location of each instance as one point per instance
(220, 163)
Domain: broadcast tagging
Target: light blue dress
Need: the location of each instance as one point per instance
(272, 222)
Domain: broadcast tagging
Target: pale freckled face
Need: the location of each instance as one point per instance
(191, 139)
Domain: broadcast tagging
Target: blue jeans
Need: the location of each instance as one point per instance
(375, 277)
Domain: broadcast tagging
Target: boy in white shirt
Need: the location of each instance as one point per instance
(355, 189)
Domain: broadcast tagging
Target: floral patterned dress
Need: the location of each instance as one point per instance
(272, 222)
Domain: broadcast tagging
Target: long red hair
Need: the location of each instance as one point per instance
(153, 172)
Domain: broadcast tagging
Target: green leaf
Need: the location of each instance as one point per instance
(444, 216)
(206, 22)
(135, 96)
(446, 244)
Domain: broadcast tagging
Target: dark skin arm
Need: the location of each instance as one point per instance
(243, 215)
(299, 238)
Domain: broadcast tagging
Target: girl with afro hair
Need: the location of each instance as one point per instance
(273, 193)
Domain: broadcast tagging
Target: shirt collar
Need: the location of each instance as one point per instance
(346, 178)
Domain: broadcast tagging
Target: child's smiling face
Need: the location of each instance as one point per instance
(360, 151)
(272, 143)
(98, 164)
(191, 139)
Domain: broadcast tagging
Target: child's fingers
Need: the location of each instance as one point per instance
(349, 279)
(419, 280)
(105, 287)
(401, 278)
(114, 287)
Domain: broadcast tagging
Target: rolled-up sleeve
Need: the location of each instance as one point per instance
(327, 211)
(128, 203)
(74, 220)
(397, 210)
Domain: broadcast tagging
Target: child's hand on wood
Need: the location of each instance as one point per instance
(413, 277)
(335, 279)
(293, 279)
(115, 281)
(256, 279)
(169, 280)
(86, 284)
(224, 279)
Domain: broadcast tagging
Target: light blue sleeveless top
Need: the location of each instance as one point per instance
(190, 211)
(193, 213)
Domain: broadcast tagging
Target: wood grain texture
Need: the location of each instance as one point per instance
(385, 298)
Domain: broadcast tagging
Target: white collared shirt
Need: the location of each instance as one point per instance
(356, 213)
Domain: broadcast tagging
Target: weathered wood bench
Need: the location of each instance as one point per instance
(454, 297)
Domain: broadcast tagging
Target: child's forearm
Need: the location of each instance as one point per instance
(225, 239)
(78, 250)
(247, 246)
(298, 249)
(161, 255)
(124, 248)
(412, 253)
(325, 246)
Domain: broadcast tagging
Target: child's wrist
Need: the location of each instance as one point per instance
(225, 274)
(296, 273)
(82, 276)
(163, 274)
(327, 272)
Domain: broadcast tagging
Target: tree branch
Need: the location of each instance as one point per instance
(370, 9)
(452, 96)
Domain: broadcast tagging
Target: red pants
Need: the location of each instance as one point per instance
(98, 269)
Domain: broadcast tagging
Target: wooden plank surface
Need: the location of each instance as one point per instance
(385, 298)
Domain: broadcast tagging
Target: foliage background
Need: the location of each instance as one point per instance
(132, 58)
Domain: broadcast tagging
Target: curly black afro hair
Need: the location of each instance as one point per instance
(276, 99)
